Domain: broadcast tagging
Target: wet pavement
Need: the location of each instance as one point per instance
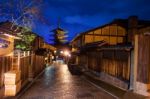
(58, 83)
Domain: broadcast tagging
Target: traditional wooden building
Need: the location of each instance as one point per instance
(39, 43)
(40, 47)
(7, 44)
(30, 64)
(108, 51)
(7, 39)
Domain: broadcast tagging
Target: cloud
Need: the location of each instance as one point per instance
(87, 20)
(74, 20)
(81, 15)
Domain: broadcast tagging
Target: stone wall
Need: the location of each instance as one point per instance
(142, 88)
(113, 81)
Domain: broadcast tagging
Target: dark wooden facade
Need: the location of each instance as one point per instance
(143, 61)
(30, 66)
(112, 34)
(38, 43)
(107, 49)
(114, 63)
(4, 67)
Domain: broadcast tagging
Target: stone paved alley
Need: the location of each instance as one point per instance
(58, 83)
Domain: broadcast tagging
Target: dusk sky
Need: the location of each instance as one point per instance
(80, 15)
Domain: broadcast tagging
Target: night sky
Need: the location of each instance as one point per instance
(80, 15)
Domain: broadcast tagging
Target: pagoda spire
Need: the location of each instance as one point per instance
(59, 35)
(59, 21)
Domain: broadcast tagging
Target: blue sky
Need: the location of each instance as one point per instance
(80, 15)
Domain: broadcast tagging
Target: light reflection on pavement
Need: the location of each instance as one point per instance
(58, 83)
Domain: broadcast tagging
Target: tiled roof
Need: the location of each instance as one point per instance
(9, 28)
(119, 22)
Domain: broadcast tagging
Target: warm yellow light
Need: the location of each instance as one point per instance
(69, 55)
(11, 36)
(61, 52)
(66, 53)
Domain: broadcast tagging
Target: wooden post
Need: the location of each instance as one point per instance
(31, 72)
(131, 65)
(18, 60)
(28, 53)
(141, 65)
(24, 53)
(135, 62)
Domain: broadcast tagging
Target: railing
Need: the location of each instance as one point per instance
(21, 53)
(30, 65)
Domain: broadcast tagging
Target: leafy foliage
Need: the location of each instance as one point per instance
(21, 13)
(25, 42)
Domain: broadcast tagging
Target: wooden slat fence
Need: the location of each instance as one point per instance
(24, 67)
(143, 58)
(115, 63)
(37, 64)
(34, 62)
(112, 62)
(5, 65)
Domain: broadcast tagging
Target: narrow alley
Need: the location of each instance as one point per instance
(58, 83)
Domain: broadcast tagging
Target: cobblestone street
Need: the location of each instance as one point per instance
(57, 83)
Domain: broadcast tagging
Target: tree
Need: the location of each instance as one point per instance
(21, 14)
(26, 36)
(26, 41)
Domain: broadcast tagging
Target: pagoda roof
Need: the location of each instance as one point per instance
(58, 28)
